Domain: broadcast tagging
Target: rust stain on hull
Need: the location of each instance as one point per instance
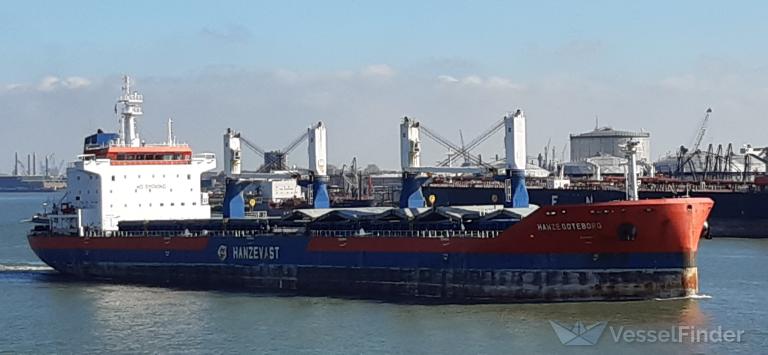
(436, 285)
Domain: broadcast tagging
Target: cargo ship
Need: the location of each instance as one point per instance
(31, 183)
(135, 213)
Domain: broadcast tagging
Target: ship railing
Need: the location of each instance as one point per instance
(245, 233)
(419, 233)
(206, 156)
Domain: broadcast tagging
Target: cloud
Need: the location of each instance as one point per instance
(50, 83)
(75, 82)
(229, 34)
(378, 70)
(447, 79)
(682, 83)
(491, 82)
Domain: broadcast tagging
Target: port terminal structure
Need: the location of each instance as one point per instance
(414, 175)
(316, 182)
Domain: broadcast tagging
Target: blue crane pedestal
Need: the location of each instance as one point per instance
(233, 205)
(320, 198)
(515, 193)
(411, 195)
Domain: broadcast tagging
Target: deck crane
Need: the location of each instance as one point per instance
(274, 159)
(497, 126)
(474, 159)
(316, 181)
(410, 159)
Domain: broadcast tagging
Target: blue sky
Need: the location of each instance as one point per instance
(361, 65)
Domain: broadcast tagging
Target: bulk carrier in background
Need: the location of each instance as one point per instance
(134, 212)
(27, 179)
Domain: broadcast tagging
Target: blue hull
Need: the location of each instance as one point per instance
(282, 263)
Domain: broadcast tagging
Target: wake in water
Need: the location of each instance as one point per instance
(25, 268)
(691, 297)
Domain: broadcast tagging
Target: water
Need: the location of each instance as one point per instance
(43, 313)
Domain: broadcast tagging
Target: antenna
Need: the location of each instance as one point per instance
(130, 110)
(170, 140)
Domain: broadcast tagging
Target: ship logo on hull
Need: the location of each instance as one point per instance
(222, 252)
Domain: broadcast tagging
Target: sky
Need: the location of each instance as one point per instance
(270, 69)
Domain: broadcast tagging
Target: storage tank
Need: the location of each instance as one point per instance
(606, 141)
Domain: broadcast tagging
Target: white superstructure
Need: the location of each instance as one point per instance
(119, 178)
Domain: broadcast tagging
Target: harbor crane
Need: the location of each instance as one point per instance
(701, 132)
(685, 155)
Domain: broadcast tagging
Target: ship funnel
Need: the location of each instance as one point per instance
(515, 192)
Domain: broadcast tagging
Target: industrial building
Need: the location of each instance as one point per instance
(608, 141)
(601, 149)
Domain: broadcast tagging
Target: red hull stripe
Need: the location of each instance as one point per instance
(119, 243)
(662, 226)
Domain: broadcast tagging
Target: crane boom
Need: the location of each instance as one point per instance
(295, 143)
(701, 132)
(446, 143)
(252, 146)
(474, 143)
